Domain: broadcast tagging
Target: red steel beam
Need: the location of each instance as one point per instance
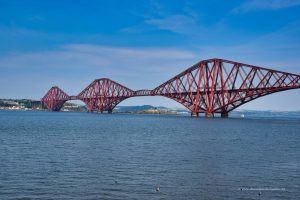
(210, 86)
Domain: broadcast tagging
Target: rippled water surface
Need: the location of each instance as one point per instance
(49, 155)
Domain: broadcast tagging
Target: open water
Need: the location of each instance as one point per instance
(58, 155)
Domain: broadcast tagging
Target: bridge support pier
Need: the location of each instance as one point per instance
(209, 115)
(225, 115)
(195, 114)
(109, 111)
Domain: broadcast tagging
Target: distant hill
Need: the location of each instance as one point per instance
(27, 104)
(143, 108)
(133, 108)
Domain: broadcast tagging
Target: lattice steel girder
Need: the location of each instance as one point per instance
(219, 85)
(104, 94)
(55, 98)
(210, 86)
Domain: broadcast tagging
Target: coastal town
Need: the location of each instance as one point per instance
(27, 105)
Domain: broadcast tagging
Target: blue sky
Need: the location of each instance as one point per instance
(142, 43)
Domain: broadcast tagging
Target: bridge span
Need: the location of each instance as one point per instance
(210, 86)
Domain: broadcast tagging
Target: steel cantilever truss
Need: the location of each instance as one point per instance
(104, 94)
(219, 86)
(55, 98)
(210, 86)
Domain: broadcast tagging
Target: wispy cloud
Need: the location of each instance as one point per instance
(277, 50)
(176, 23)
(74, 66)
(159, 17)
(254, 5)
(17, 31)
(89, 57)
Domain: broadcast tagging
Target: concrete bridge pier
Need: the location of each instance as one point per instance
(225, 115)
(209, 115)
(195, 114)
(109, 111)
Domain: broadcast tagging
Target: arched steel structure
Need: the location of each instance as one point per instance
(219, 86)
(55, 98)
(210, 86)
(104, 94)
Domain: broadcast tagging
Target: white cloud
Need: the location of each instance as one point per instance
(176, 23)
(74, 66)
(185, 23)
(137, 53)
(16, 31)
(104, 58)
(253, 5)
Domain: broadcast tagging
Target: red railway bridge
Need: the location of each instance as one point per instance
(210, 86)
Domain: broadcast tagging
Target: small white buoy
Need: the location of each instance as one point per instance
(157, 189)
(259, 193)
(242, 115)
